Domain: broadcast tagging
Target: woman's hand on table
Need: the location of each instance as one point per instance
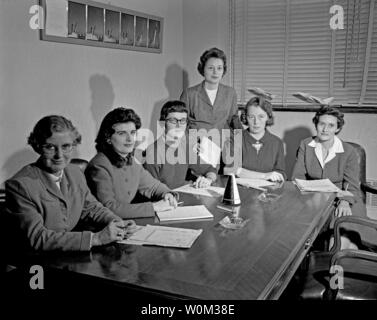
(343, 209)
(274, 176)
(202, 182)
(116, 230)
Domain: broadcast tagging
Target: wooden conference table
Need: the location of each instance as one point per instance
(254, 262)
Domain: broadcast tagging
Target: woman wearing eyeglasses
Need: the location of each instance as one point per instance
(168, 158)
(114, 175)
(46, 200)
(262, 152)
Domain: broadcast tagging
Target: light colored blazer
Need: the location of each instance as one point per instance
(44, 217)
(342, 170)
(202, 114)
(116, 187)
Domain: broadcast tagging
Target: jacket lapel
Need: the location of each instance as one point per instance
(220, 96)
(203, 95)
(50, 186)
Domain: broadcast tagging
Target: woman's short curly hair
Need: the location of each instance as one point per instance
(172, 106)
(208, 54)
(46, 126)
(265, 105)
(106, 130)
(331, 111)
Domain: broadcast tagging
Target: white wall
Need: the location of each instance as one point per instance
(205, 25)
(83, 83)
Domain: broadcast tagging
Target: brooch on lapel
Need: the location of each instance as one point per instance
(257, 146)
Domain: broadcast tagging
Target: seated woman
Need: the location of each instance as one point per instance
(114, 175)
(46, 200)
(326, 156)
(262, 152)
(168, 158)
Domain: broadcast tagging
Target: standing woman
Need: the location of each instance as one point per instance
(114, 175)
(261, 154)
(210, 103)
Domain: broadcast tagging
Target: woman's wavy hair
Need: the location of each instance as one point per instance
(264, 104)
(208, 54)
(331, 111)
(46, 126)
(106, 130)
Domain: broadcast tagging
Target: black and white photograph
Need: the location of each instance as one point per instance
(154, 29)
(95, 24)
(76, 20)
(112, 26)
(186, 159)
(127, 29)
(141, 33)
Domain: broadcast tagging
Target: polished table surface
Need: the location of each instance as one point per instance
(254, 262)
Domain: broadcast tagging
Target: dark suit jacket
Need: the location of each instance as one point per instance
(343, 170)
(44, 217)
(202, 114)
(117, 187)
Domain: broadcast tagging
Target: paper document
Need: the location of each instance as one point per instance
(163, 236)
(209, 192)
(254, 183)
(185, 213)
(321, 185)
(209, 152)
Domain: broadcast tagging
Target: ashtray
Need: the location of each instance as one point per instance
(230, 222)
(268, 197)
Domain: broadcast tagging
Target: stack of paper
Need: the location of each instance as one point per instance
(209, 191)
(321, 185)
(185, 213)
(209, 152)
(254, 183)
(163, 236)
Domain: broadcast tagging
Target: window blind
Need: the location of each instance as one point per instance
(285, 46)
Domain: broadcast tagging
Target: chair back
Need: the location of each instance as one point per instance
(81, 163)
(361, 159)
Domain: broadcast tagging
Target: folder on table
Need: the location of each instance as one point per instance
(320, 185)
(185, 213)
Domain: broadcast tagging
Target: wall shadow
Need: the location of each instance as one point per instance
(292, 139)
(18, 160)
(174, 72)
(102, 95)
